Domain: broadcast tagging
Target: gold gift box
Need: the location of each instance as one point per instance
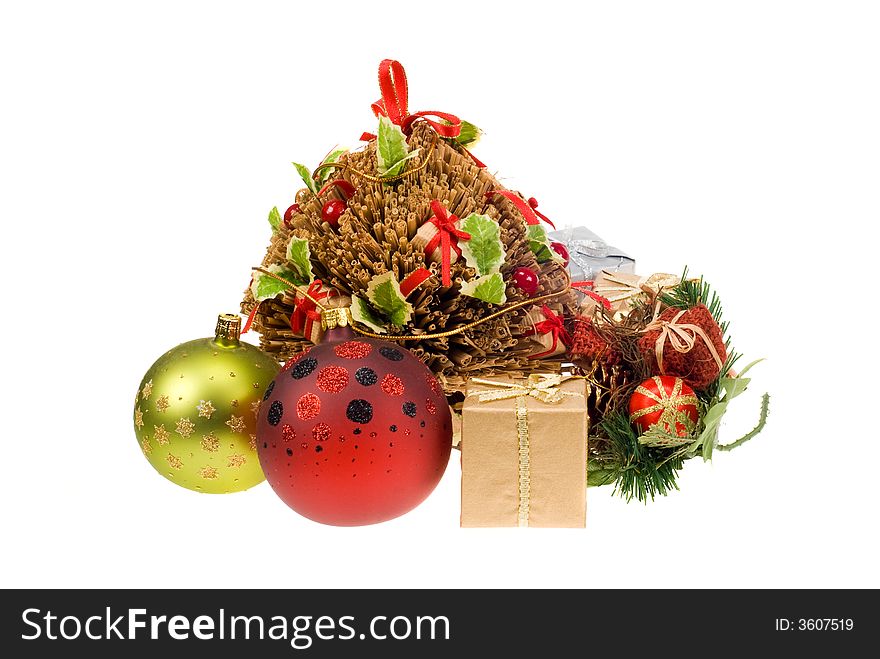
(524, 452)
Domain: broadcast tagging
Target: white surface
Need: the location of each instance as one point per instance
(142, 148)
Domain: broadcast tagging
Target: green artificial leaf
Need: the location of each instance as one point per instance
(762, 421)
(484, 252)
(539, 242)
(469, 134)
(747, 368)
(489, 289)
(598, 475)
(397, 168)
(391, 146)
(299, 255)
(274, 218)
(733, 387)
(384, 293)
(363, 313)
(326, 172)
(264, 287)
(306, 176)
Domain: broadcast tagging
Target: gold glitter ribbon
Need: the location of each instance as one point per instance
(666, 403)
(622, 287)
(681, 336)
(542, 387)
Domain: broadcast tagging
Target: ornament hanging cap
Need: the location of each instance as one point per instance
(228, 328)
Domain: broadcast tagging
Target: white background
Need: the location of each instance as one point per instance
(144, 143)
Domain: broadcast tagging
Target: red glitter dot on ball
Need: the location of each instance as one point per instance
(392, 385)
(321, 432)
(308, 406)
(429, 405)
(332, 379)
(434, 383)
(353, 350)
(287, 433)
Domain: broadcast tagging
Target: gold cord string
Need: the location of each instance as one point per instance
(383, 179)
(430, 335)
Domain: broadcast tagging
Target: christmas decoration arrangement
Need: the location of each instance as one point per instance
(408, 292)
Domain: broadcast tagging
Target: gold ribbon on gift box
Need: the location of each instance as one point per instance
(542, 387)
(620, 288)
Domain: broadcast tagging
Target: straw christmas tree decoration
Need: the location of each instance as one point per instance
(424, 240)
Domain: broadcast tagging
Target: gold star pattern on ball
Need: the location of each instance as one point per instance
(147, 390)
(138, 418)
(209, 473)
(236, 460)
(236, 423)
(162, 403)
(174, 461)
(210, 443)
(206, 409)
(185, 428)
(161, 434)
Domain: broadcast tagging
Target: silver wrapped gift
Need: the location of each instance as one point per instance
(589, 254)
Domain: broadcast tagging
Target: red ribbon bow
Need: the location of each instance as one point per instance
(586, 287)
(555, 325)
(393, 104)
(306, 309)
(528, 209)
(447, 237)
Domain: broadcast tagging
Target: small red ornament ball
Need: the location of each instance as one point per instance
(354, 431)
(666, 400)
(332, 211)
(288, 214)
(526, 280)
(562, 250)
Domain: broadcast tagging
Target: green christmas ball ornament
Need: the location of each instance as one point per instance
(195, 411)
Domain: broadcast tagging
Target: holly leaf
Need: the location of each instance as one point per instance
(363, 313)
(598, 475)
(484, 252)
(392, 151)
(384, 293)
(398, 166)
(469, 134)
(490, 288)
(299, 255)
(306, 176)
(539, 243)
(274, 218)
(326, 172)
(264, 287)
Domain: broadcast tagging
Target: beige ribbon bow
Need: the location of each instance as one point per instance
(622, 286)
(681, 336)
(540, 386)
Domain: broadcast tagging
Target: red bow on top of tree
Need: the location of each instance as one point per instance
(393, 104)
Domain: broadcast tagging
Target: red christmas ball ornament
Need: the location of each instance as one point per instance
(562, 250)
(526, 280)
(332, 211)
(288, 214)
(667, 401)
(354, 431)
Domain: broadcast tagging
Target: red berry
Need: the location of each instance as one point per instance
(288, 214)
(560, 249)
(526, 280)
(332, 211)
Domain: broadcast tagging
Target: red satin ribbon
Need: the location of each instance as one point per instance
(526, 208)
(413, 280)
(447, 237)
(554, 325)
(250, 319)
(394, 101)
(582, 285)
(306, 309)
(347, 188)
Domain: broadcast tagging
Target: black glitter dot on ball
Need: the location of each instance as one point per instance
(269, 390)
(409, 408)
(393, 429)
(359, 411)
(356, 431)
(392, 354)
(319, 448)
(366, 376)
(289, 451)
(265, 445)
(421, 424)
(303, 367)
(276, 411)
